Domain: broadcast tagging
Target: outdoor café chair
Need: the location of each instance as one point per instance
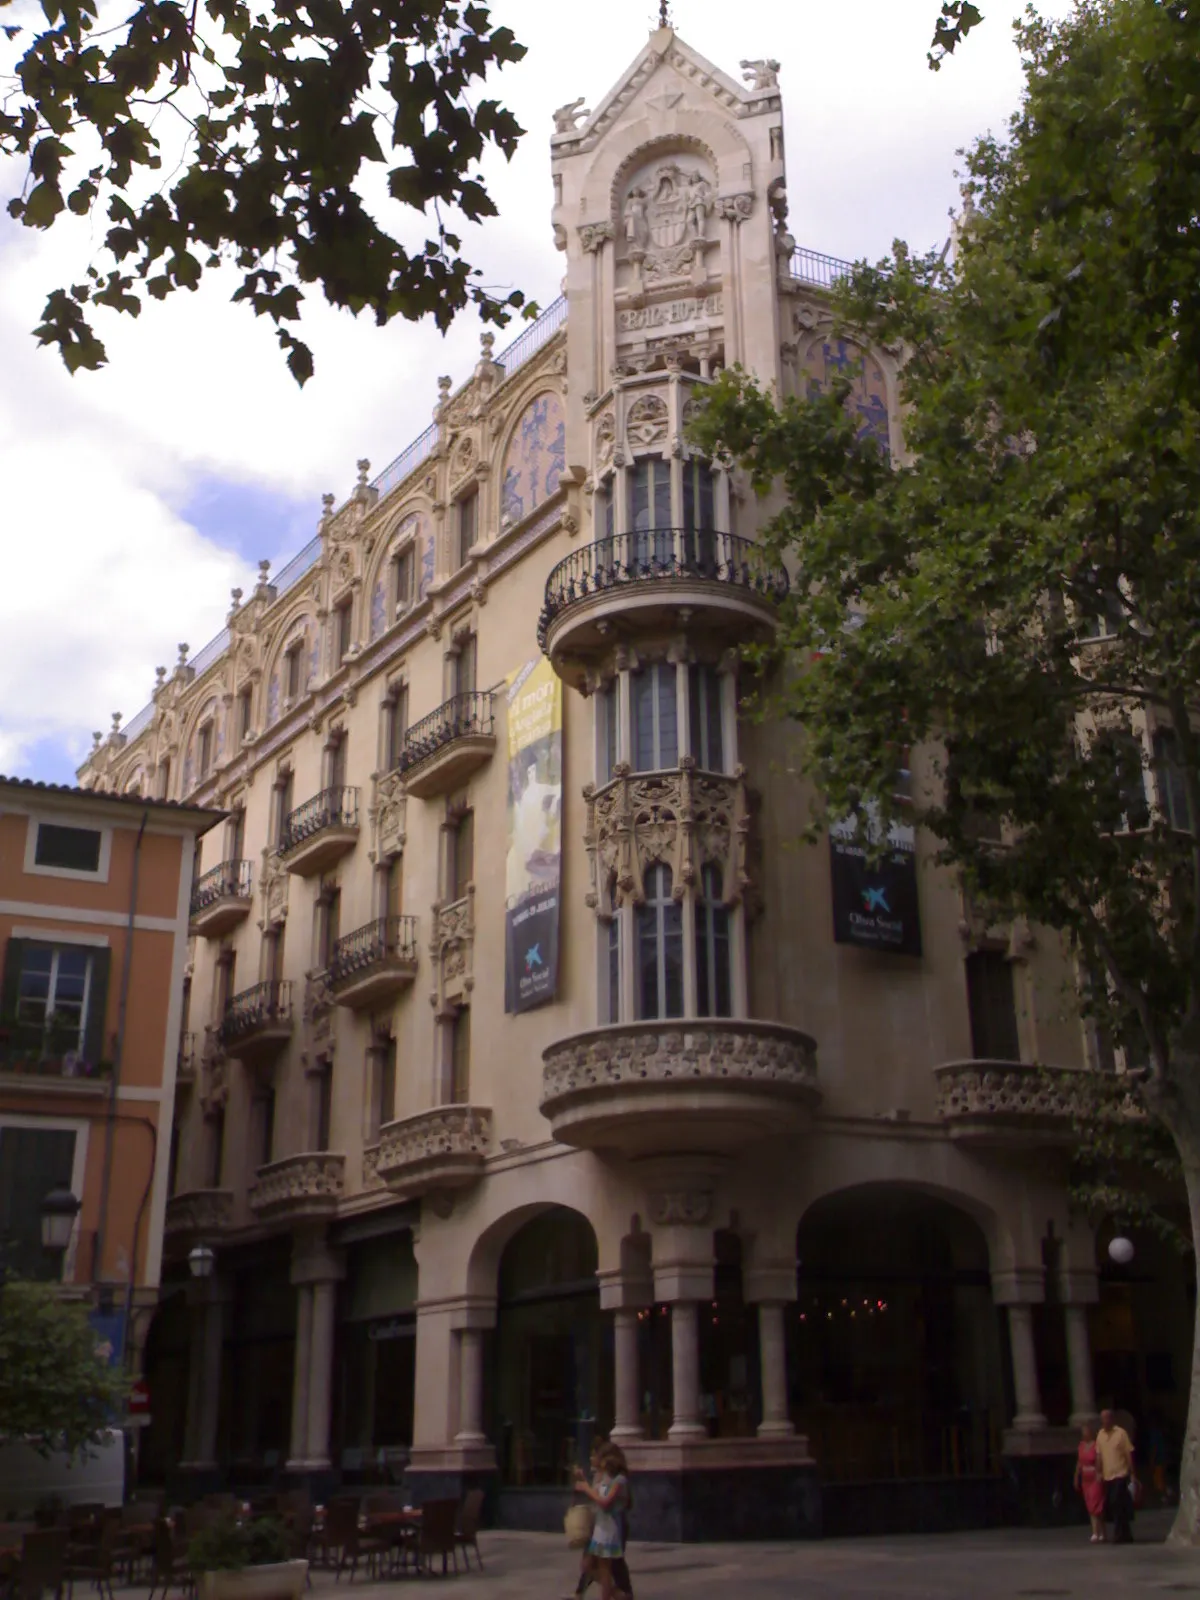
(343, 1534)
(171, 1570)
(438, 1534)
(42, 1564)
(466, 1533)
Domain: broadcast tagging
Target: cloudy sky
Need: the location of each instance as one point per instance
(135, 498)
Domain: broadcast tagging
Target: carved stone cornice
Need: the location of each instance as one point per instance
(685, 818)
(435, 1151)
(299, 1187)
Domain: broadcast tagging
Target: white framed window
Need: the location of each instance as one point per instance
(659, 948)
(655, 718)
(57, 849)
(713, 991)
(704, 709)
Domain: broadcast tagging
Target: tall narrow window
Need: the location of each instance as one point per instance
(660, 948)
(650, 510)
(236, 834)
(468, 524)
(1117, 755)
(463, 672)
(164, 778)
(266, 1127)
(291, 674)
(395, 725)
(1169, 777)
(403, 567)
(329, 927)
(385, 1099)
(655, 719)
(603, 511)
(204, 750)
(460, 1056)
(216, 1147)
(712, 947)
(704, 706)
(460, 867)
(283, 804)
(336, 765)
(245, 715)
(612, 969)
(343, 630)
(992, 1004)
(394, 887)
(608, 712)
(699, 519)
(323, 1107)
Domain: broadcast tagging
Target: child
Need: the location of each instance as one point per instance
(611, 1499)
(587, 1574)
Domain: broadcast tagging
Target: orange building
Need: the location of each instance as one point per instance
(94, 895)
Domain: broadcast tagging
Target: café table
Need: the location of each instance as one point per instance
(399, 1526)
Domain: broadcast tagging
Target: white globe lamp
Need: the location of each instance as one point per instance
(1120, 1250)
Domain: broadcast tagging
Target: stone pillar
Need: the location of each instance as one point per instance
(1079, 1363)
(300, 1375)
(204, 1385)
(191, 1435)
(626, 1378)
(470, 1414)
(1024, 1364)
(685, 1372)
(773, 1357)
(320, 1383)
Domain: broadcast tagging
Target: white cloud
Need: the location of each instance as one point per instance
(102, 575)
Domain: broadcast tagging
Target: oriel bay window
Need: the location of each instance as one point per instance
(704, 717)
(673, 711)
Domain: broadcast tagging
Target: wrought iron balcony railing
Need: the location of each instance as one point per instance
(366, 947)
(656, 554)
(230, 881)
(269, 1002)
(332, 808)
(462, 716)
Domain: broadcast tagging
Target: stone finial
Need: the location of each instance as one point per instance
(264, 568)
(326, 505)
(160, 677)
(116, 721)
(487, 343)
(236, 596)
(183, 655)
(364, 466)
(444, 384)
(97, 740)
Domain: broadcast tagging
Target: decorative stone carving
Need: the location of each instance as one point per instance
(273, 880)
(685, 818)
(198, 1213)
(1008, 1089)
(647, 421)
(592, 235)
(735, 207)
(568, 117)
(388, 813)
(319, 1011)
(299, 1186)
(370, 1169)
(463, 459)
(762, 76)
(605, 439)
(453, 947)
(691, 1207)
(444, 1148)
(659, 1052)
(664, 218)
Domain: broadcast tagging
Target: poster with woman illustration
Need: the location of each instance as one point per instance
(534, 860)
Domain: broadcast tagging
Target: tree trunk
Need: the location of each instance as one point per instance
(1178, 1107)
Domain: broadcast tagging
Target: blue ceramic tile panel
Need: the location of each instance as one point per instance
(314, 654)
(828, 359)
(536, 458)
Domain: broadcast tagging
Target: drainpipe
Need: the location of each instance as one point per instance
(110, 1128)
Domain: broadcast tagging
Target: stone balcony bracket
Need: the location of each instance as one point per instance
(299, 1188)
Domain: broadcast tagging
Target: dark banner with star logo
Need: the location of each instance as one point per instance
(875, 902)
(534, 861)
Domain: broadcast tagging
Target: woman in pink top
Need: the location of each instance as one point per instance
(1088, 1479)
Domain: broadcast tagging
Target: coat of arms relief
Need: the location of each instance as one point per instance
(664, 219)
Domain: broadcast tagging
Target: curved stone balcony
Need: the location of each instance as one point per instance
(1010, 1104)
(728, 585)
(196, 1216)
(706, 1085)
(301, 1188)
(436, 1151)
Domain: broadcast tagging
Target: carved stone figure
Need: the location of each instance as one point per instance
(568, 117)
(698, 199)
(762, 76)
(637, 230)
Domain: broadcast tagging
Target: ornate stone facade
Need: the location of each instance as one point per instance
(453, 948)
(441, 1149)
(299, 1187)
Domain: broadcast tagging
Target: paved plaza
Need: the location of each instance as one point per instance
(999, 1565)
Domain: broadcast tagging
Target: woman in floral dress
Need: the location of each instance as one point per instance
(610, 1496)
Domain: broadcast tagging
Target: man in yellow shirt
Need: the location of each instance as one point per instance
(1114, 1455)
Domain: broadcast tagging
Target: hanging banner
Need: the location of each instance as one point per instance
(534, 862)
(875, 902)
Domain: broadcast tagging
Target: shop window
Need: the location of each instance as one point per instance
(712, 947)
(56, 995)
(68, 849)
(704, 706)
(660, 948)
(468, 524)
(655, 718)
(32, 1162)
(991, 1001)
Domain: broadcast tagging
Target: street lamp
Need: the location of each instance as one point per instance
(1120, 1250)
(59, 1210)
(201, 1260)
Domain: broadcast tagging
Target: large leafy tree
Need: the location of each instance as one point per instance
(209, 133)
(57, 1390)
(1021, 590)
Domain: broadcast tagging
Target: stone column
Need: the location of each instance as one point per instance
(196, 1331)
(320, 1383)
(773, 1357)
(1079, 1363)
(300, 1375)
(626, 1378)
(470, 1415)
(685, 1372)
(1024, 1364)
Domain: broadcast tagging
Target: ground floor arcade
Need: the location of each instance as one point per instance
(927, 1334)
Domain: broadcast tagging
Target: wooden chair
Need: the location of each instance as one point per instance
(171, 1570)
(43, 1564)
(352, 1545)
(93, 1563)
(466, 1533)
(438, 1535)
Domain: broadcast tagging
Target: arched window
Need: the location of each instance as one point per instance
(660, 948)
(712, 947)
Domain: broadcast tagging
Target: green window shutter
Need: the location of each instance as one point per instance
(93, 1028)
(14, 952)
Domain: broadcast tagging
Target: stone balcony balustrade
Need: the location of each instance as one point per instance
(443, 749)
(299, 1188)
(435, 1151)
(196, 1216)
(320, 832)
(1010, 1104)
(221, 899)
(727, 585)
(706, 1084)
